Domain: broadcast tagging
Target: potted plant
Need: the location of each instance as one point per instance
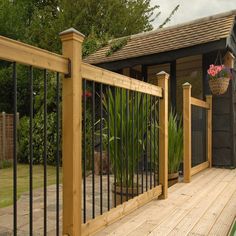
(125, 157)
(175, 148)
(218, 77)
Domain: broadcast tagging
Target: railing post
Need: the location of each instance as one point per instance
(209, 130)
(71, 133)
(163, 133)
(187, 131)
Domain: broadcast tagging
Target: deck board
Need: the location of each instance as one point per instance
(197, 208)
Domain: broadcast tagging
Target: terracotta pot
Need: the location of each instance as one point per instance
(122, 192)
(173, 179)
(219, 86)
(97, 163)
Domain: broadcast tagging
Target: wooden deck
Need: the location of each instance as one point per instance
(206, 206)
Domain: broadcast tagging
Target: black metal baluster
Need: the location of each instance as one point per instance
(155, 146)
(127, 140)
(93, 147)
(108, 149)
(132, 95)
(146, 160)
(150, 141)
(31, 155)
(142, 133)
(45, 152)
(121, 143)
(58, 157)
(115, 144)
(101, 164)
(137, 151)
(15, 151)
(158, 136)
(84, 151)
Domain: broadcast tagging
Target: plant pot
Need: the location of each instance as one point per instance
(219, 86)
(97, 164)
(173, 179)
(118, 192)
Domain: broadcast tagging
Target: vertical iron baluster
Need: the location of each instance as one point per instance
(155, 142)
(45, 152)
(58, 157)
(15, 152)
(108, 148)
(101, 164)
(132, 95)
(127, 141)
(121, 143)
(137, 151)
(150, 141)
(146, 160)
(93, 147)
(84, 151)
(31, 154)
(158, 136)
(142, 133)
(115, 145)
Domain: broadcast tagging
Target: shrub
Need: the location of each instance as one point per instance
(5, 164)
(38, 139)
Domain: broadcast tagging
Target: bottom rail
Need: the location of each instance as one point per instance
(200, 167)
(120, 211)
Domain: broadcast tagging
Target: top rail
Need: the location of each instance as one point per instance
(12, 50)
(199, 103)
(100, 75)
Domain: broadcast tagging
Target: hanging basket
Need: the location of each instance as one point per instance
(219, 86)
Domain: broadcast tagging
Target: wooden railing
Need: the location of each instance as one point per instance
(188, 102)
(74, 70)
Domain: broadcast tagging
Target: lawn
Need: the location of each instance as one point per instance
(6, 181)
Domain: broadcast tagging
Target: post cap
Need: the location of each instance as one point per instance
(71, 34)
(163, 75)
(187, 85)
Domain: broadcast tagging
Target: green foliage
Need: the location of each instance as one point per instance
(175, 143)
(131, 152)
(116, 45)
(38, 139)
(5, 164)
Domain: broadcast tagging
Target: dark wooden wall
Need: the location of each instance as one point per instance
(224, 110)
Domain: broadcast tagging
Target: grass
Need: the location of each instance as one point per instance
(6, 180)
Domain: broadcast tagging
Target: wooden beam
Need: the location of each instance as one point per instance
(120, 211)
(200, 103)
(163, 133)
(15, 51)
(229, 60)
(198, 168)
(209, 130)
(100, 75)
(126, 71)
(72, 134)
(187, 131)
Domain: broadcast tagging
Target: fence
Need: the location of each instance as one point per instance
(197, 116)
(110, 108)
(6, 137)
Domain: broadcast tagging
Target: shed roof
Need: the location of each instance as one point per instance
(201, 31)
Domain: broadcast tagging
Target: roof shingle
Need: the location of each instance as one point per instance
(193, 33)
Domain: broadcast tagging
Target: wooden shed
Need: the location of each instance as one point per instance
(185, 51)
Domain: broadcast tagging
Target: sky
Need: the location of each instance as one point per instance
(191, 9)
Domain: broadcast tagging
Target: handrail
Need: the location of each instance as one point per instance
(100, 75)
(15, 51)
(199, 103)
